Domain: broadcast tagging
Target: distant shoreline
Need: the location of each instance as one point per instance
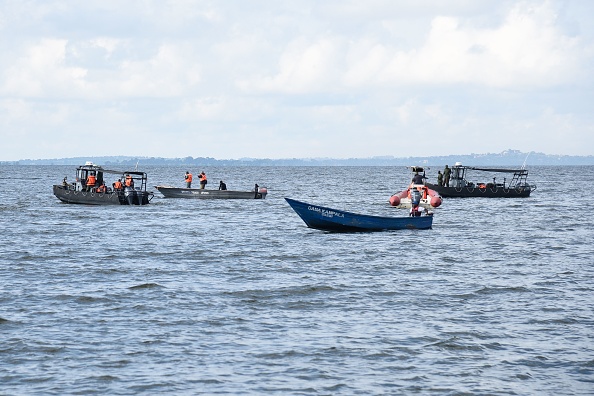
(512, 158)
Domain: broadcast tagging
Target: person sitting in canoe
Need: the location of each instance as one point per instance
(415, 211)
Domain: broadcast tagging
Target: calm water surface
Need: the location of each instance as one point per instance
(238, 297)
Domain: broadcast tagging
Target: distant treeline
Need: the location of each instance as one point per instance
(513, 158)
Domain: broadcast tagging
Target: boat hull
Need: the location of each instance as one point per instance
(196, 193)
(130, 197)
(328, 219)
(487, 192)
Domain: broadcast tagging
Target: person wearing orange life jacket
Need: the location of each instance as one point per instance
(91, 181)
(118, 185)
(203, 180)
(188, 180)
(424, 190)
(101, 188)
(129, 181)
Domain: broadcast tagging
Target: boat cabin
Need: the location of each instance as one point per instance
(458, 177)
(83, 172)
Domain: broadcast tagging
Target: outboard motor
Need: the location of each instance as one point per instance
(129, 194)
(415, 196)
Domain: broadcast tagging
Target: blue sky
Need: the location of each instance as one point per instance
(293, 79)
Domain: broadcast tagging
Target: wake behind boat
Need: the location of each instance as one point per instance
(129, 187)
(328, 219)
(198, 193)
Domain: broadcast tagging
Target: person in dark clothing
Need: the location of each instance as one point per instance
(417, 179)
(256, 190)
(439, 178)
(222, 185)
(446, 176)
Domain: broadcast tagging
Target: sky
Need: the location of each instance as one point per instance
(232, 79)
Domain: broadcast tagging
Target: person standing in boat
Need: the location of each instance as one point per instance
(203, 180)
(417, 179)
(91, 181)
(188, 180)
(257, 191)
(446, 176)
(222, 185)
(129, 182)
(439, 178)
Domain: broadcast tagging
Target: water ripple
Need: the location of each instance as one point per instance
(183, 297)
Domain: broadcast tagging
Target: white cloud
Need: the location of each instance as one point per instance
(303, 67)
(167, 74)
(298, 78)
(109, 44)
(526, 49)
(41, 69)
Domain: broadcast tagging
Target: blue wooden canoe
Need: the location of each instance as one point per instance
(328, 219)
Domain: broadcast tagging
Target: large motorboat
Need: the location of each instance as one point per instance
(516, 187)
(417, 193)
(129, 187)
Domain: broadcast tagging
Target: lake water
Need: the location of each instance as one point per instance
(193, 297)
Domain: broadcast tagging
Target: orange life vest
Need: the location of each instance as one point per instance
(91, 180)
(101, 189)
(424, 192)
(118, 185)
(202, 177)
(129, 181)
(189, 178)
